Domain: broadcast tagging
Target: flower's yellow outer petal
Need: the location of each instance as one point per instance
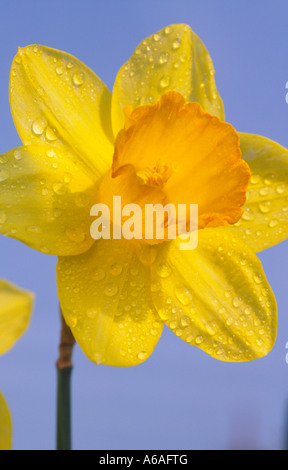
(15, 314)
(45, 200)
(172, 59)
(216, 297)
(5, 425)
(55, 99)
(264, 222)
(106, 301)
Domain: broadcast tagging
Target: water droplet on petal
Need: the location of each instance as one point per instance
(59, 69)
(156, 37)
(111, 290)
(4, 175)
(237, 301)
(281, 189)
(265, 207)
(264, 191)
(211, 328)
(273, 223)
(98, 274)
(258, 278)
(18, 155)
(116, 269)
(155, 286)
(50, 134)
(255, 179)
(142, 355)
(39, 126)
(176, 43)
(78, 78)
(183, 294)
(164, 82)
(91, 313)
(199, 339)
(164, 57)
(75, 235)
(248, 214)
(163, 271)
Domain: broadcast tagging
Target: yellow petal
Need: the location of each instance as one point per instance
(56, 99)
(5, 425)
(15, 313)
(45, 200)
(265, 219)
(172, 59)
(106, 301)
(216, 297)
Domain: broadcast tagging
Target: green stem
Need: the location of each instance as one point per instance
(64, 370)
(64, 409)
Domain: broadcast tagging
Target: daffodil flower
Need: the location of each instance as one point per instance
(15, 314)
(160, 137)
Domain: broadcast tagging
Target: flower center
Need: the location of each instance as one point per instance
(175, 154)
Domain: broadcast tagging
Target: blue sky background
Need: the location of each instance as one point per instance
(180, 398)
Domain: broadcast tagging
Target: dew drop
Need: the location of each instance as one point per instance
(98, 358)
(211, 328)
(163, 271)
(164, 82)
(67, 178)
(82, 200)
(176, 43)
(265, 207)
(78, 78)
(111, 290)
(269, 179)
(91, 313)
(116, 269)
(4, 175)
(49, 134)
(156, 37)
(264, 191)
(59, 69)
(183, 294)
(163, 314)
(281, 189)
(73, 321)
(273, 223)
(18, 155)
(228, 294)
(39, 126)
(155, 286)
(98, 274)
(33, 229)
(75, 235)
(199, 339)
(237, 301)
(255, 179)
(258, 278)
(185, 321)
(51, 153)
(142, 355)
(59, 189)
(248, 214)
(164, 57)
